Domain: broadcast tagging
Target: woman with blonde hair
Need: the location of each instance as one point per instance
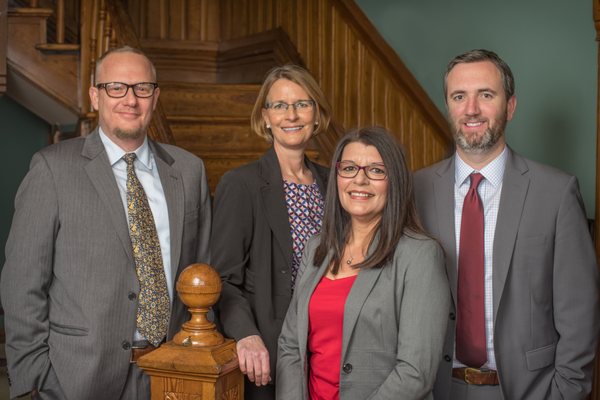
(264, 213)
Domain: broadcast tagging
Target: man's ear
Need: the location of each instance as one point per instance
(93, 92)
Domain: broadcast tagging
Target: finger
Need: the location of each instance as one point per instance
(242, 361)
(250, 368)
(265, 368)
(257, 371)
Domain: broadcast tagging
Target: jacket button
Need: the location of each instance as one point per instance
(126, 345)
(131, 296)
(452, 316)
(347, 368)
(283, 271)
(447, 358)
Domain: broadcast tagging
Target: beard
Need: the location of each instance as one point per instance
(477, 144)
(129, 134)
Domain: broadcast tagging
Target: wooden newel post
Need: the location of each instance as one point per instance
(198, 364)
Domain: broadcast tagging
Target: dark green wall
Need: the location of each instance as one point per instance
(551, 48)
(22, 135)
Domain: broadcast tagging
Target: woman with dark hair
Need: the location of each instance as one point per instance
(264, 213)
(368, 317)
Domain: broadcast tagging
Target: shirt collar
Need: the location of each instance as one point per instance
(115, 153)
(492, 172)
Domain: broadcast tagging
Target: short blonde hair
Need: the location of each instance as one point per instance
(301, 77)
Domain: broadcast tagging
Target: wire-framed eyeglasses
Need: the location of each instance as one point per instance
(300, 106)
(348, 169)
(119, 89)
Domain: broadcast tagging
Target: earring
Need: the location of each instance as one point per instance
(268, 126)
(316, 123)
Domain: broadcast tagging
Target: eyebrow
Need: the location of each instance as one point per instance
(483, 90)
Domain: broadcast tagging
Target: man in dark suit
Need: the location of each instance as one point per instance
(519, 257)
(95, 219)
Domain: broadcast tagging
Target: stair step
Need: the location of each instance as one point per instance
(30, 12)
(208, 99)
(50, 48)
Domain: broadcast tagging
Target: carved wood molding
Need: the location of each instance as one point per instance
(248, 59)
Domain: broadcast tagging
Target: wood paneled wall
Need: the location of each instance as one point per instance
(179, 20)
(362, 76)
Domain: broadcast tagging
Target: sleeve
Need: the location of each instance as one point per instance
(230, 250)
(204, 226)
(423, 314)
(27, 276)
(575, 297)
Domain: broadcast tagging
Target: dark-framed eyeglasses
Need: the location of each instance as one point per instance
(300, 106)
(348, 169)
(120, 89)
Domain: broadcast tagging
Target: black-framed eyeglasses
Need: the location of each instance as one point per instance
(348, 169)
(300, 106)
(120, 89)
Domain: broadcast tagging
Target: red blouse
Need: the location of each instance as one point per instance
(326, 319)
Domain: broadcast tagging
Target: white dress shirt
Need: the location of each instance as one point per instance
(147, 173)
(489, 191)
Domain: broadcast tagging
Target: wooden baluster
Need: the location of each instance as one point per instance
(60, 21)
(34, 3)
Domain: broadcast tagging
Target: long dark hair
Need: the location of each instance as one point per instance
(399, 215)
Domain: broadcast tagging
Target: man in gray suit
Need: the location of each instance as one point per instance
(519, 257)
(70, 287)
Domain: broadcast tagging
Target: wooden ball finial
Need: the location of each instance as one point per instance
(199, 287)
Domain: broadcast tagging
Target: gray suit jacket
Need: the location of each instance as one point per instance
(394, 323)
(69, 286)
(545, 279)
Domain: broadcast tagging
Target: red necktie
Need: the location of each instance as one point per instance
(470, 324)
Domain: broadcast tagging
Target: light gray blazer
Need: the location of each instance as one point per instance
(69, 286)
(545, 279)
(394, 323)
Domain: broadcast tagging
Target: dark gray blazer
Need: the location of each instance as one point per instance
(69, 283)
(251, 247)
(395, 319)
(545, 279)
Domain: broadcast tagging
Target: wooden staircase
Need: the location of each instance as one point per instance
(211, 57)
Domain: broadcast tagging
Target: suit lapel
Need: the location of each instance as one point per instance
(171, 181)
(321, 180)
(366, 279)
(361, 288)
(315, 278)
(514, 191)
(443, 189)
(102, 177)
(274, 202)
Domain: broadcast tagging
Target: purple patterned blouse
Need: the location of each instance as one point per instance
(305, 212)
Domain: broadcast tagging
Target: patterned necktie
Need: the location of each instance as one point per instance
(153, 301)
(470, 324)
